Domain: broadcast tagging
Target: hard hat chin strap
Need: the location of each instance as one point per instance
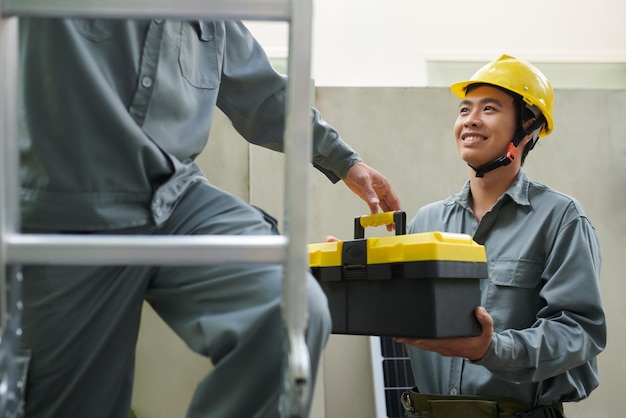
(499, 162)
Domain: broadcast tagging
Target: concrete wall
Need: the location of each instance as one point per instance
(406, 133)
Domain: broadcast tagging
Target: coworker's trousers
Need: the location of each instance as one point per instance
(81, 322)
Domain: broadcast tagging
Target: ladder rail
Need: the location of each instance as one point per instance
(298, 125)
(10, 282)
(56, 249)
(179, 9)
(18, 248)
(9, 206)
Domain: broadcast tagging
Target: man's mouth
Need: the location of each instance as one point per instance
(473, 138)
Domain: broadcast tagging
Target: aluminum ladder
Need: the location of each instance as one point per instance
(22, 249)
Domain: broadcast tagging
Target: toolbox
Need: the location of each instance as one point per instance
(424, 285)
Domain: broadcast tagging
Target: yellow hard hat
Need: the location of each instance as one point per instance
(520, 77)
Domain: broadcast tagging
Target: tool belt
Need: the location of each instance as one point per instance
(417, 405)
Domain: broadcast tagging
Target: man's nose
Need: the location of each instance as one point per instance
(472, 119)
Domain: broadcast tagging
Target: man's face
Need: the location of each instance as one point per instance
(485, 125)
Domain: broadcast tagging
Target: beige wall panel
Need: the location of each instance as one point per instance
(166, 372)
(226, 158)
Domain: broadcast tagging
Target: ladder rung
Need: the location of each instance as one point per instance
(182, 9)
(143, 250)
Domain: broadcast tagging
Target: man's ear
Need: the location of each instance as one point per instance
(528, 125)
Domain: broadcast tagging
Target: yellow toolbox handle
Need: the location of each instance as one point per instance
(397, 218)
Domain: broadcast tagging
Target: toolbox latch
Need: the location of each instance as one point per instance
(354, 259)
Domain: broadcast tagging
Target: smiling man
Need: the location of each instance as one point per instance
(542, 318)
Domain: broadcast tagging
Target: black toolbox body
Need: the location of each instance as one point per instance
(423, 285)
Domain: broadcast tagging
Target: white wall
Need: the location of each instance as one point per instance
(376, 43)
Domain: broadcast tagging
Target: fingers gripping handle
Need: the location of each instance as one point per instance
(397, 218)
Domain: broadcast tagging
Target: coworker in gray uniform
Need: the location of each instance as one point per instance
(542, 316)
(113, 113)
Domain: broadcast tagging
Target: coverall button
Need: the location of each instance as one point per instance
(453, 391)
(146, 82)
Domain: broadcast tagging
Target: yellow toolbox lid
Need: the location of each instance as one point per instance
(426, 246)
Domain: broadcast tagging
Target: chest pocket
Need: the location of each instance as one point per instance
(198, 57)
(512, 296)
(96, 30)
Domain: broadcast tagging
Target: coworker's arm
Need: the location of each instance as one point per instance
(252, 95)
